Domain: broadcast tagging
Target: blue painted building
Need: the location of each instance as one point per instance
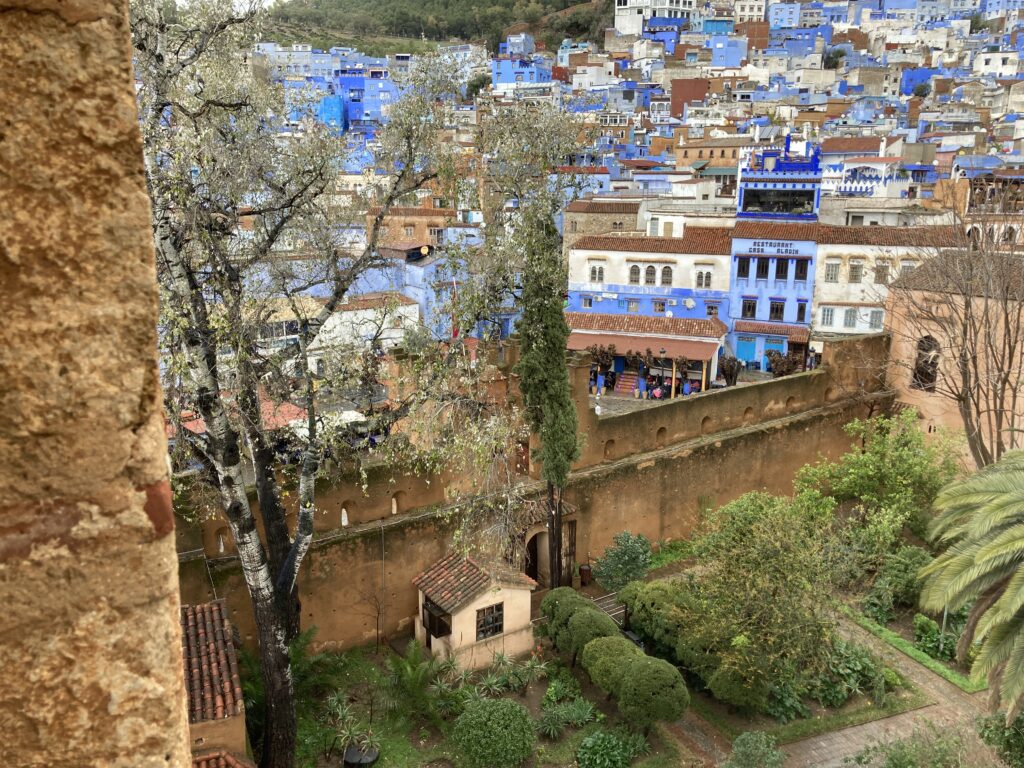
(727, 51)
(784, 15)
(506, 71)
(775, 185)
(771, 290)
(771, 283)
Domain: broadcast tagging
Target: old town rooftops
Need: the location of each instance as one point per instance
(602, 206)
(212, 684)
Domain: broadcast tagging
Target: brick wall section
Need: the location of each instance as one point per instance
(90, 658)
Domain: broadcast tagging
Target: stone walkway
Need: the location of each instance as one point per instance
(951, 707)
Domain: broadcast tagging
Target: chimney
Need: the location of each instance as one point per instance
(881, 147)
(757, 133)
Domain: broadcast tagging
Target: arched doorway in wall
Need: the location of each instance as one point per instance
(536, 564)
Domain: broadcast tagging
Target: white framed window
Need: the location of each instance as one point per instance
(828, 316)
(832, 272)
(850, 318)
(856, 271)
(588, 302)
(877, 316)
(633, 305)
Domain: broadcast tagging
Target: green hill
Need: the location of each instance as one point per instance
(379, 26)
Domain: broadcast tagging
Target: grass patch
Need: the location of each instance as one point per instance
(671, 552)
(901, 644)
(668, 755)
(563, 751)
(797, 730)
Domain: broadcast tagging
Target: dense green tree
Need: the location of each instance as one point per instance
(604, 660)
(543, 372)
(652, 690)
(626, 560)
(586, 624)
(980, 521)
(494, 733)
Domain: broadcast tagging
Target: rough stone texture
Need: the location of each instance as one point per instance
(90, 646)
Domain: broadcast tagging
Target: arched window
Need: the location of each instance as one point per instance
(926, 366)
(666, 275)
(700, 279)
(593, 274)
(572, 226)
(634, 275)
(1010, 235)
(616, 226)
(649, 275)
(600, 274)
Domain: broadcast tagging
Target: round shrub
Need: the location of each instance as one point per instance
(602, 749)
(604, 659)
(628, 594)
(755, 749)
(651, 690)
(564, 611)
(494, 732)
(585, 625)
(553, 598)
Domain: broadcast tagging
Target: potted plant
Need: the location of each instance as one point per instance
(364, 750)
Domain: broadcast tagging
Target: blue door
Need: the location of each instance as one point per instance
(746, 348)
(778, 345)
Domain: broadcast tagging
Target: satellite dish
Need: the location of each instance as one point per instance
(690, 303)
(425, 250)
(668, 313)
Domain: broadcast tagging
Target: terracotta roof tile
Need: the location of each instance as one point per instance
(850, 144)
(219, 759)
(455, 580)
(907, 237)
(763, 230)
(797, 333)
(707, 328)
(699, 240)
(211, 667)
(601, 206)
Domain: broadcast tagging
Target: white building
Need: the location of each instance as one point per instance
(630, 15)
(854, 268)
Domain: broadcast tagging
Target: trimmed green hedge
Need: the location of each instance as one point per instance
(805, 728)
(904, 646)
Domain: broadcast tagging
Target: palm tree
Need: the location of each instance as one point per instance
(981, 521)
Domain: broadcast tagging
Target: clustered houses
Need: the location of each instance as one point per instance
(772, 165)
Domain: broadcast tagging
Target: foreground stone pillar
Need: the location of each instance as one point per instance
(90, 646)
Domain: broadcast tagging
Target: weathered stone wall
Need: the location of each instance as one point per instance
(354, 578)
(90, 653)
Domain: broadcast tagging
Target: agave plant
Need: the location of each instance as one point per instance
(407, 686)
(535, 669)
(501, 662)
(492, 685)
(551, 725)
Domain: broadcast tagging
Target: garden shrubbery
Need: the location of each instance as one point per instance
(494, 733)
(755, 749)
(609, 749)
(605, 660)
(651, 690)
(627, 559)
(897, 584)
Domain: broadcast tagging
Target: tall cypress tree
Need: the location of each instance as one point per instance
(542, 369)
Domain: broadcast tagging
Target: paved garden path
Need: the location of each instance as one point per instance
(951, 707)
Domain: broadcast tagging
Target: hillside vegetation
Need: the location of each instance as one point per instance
(373, 21)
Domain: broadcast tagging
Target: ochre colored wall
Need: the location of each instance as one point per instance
(90, 660)
(658, 493)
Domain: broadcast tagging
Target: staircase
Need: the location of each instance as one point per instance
(626, 383)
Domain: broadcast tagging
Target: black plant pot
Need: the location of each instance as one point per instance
(355, 756)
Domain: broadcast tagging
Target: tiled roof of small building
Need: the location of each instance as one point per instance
(850, 144)
(708, 328)
(763, 230)
(219, 759)
(455, 580)
(795, 333)
(600, 206)
(212, 683)
(907, 237)
(697, 240)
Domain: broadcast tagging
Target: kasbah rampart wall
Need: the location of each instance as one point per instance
(651, 471)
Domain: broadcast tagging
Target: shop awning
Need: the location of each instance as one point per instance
(674, 347)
